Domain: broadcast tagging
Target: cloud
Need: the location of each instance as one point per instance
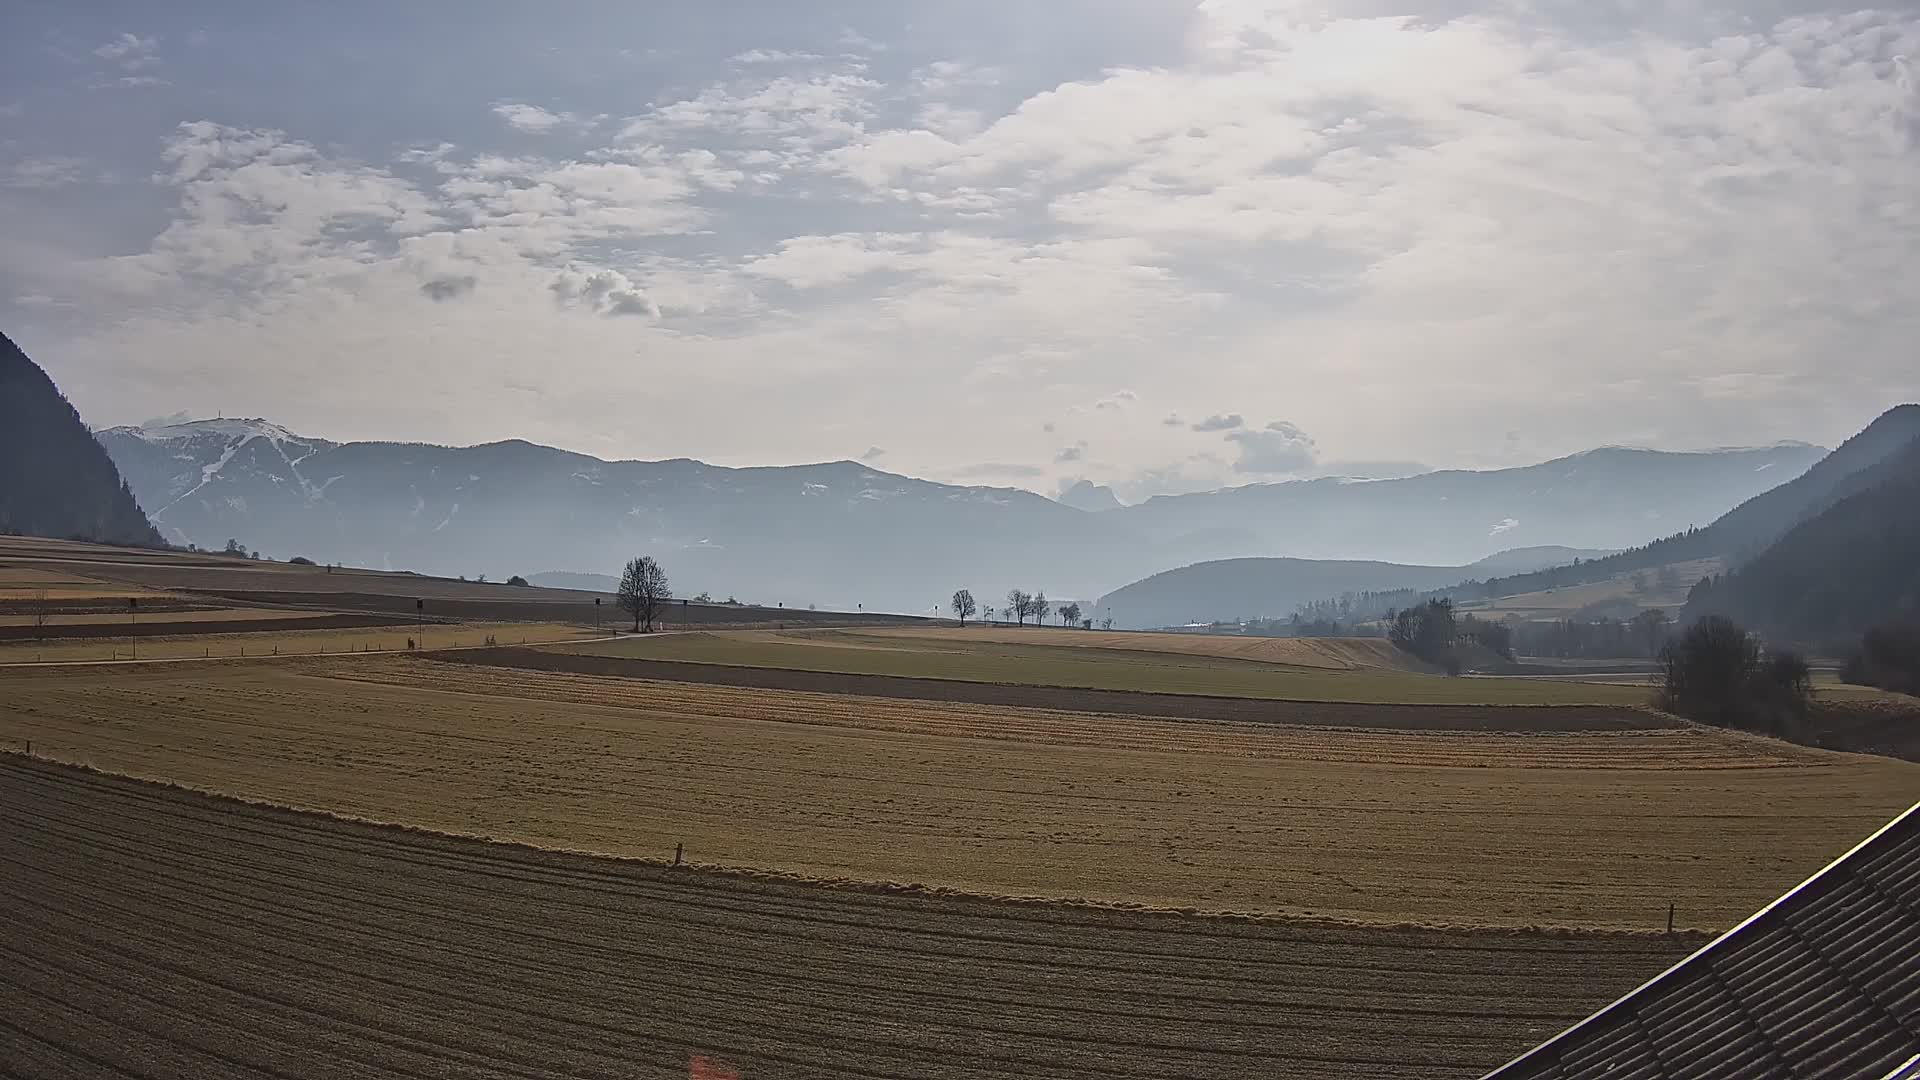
(608, 292)
(1278, 448)
(128, 48)
(1372, 470)
(771, 56)
(448, 287)
(1220, 422)
(13, 109)
(52, 171)
(990, 469)
(873, 453)
(1406, 221)
(534, 119)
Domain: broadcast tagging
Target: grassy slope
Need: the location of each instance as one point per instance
(999, 661)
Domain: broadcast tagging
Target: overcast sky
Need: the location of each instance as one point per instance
(1154, 243)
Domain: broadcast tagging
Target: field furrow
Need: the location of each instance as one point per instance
(155, 932)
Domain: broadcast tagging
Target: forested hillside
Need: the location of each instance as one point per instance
(55, 480)
(1855, 565)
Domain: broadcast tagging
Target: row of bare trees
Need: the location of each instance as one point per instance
(1021, 606)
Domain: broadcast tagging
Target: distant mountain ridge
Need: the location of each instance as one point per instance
(55, 480)
(846, 535)
(1226, 590)
(1748, 528)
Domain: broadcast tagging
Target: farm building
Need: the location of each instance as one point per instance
(1823, 982)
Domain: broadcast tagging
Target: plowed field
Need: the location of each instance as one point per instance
(1360, 672)
(155, 934)
(1575, 829)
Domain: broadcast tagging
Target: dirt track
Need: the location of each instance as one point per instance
(155, 933)
(1513, 718)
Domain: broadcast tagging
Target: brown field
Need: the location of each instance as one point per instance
(1580, 829)
(1336, 670)
(205, 615)
(155, 933)
(1334, 654)
(203, 642)
(575, 659)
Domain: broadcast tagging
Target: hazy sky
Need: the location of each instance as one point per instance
(1159, 244)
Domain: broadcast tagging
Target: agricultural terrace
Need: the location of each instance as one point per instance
(1352, 670)
(1578, 829)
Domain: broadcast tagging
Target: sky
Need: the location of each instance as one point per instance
(1157, 244)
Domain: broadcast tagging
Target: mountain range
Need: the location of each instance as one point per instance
(54, 479)
(843, 534)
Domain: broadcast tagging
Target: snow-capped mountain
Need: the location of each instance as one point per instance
(842, 533)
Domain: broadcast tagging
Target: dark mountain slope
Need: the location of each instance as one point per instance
(55, 480)
(1853, 565)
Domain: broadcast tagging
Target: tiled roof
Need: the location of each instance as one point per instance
(1824, 982)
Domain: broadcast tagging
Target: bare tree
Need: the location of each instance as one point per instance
(1020, 605)
(40, 614)
(963, 605)
(1070, 614)
(643, 588)
(1040, 608)
(1106, 623)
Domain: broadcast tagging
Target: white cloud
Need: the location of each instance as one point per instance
(608, 292)
(1220, 422)
(1403, 222)
(128, 48)
(772, 56)
(534, 119)
(1280, 447)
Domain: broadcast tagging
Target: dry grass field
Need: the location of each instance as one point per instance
(154, 933)
(1574, 829)
(1337, 670)
(1328, 654)
(282, 642)
(204, 615)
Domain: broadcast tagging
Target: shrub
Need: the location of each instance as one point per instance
(1716, 673)
(1888, 657)
(517, 580)
(300, 560)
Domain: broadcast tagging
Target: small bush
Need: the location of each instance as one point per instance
(300, 560)
(1715, 673)
(1888, 657)
(517, 580)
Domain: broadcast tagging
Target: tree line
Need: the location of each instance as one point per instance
(1021, 606)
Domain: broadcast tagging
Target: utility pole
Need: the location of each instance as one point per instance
(420, 617)
(133, 615)
(596, 615)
